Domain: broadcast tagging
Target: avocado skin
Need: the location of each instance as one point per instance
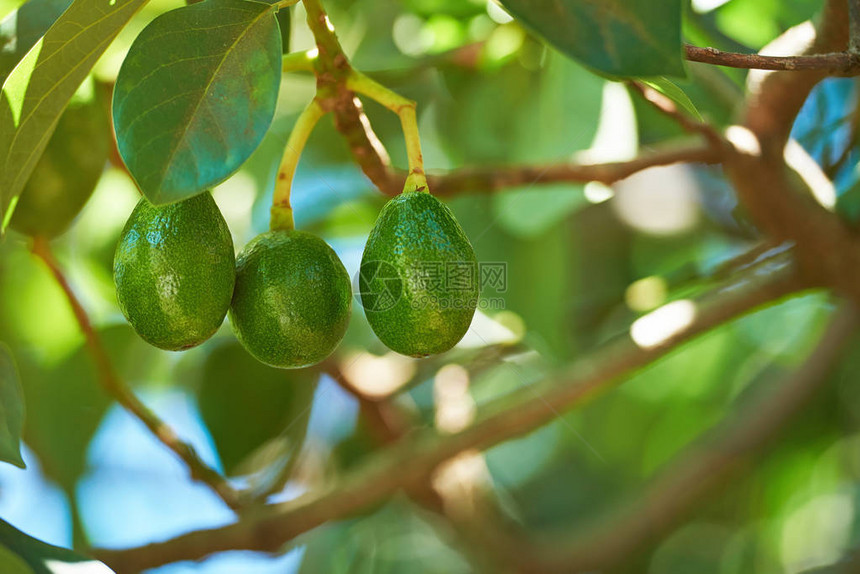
(174, 270)
(67, 173)
(415, 230)
(292, 301)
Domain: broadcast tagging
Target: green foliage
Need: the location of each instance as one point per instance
(174, 271)
(66, 174)
(292, 301)
(196, 94)
(11, 410)
(23, 554)
(21, 29)
(37, 91)
(252, 410)
(419, 278)
(616, 37)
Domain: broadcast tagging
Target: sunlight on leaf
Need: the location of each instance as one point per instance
(196, 94)
(45, 84)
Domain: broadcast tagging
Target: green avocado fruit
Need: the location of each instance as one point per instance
(292, 300)
(66, 175)
(174, 270)
(418, 278)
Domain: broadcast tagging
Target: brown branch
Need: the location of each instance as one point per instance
(496, 179)
(409, 462)
(667, 107)
(836, 63)
(828, 252)
(124, 396)
(723, 452)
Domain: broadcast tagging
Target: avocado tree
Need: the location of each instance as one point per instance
(429, 286)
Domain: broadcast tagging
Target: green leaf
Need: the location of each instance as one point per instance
(246, 404)
(11, 410)
(284, 26)
(41, 85)
(615, 37)
(196, 94)
(11, 563)
(42, 558)
(674, 93)
(21, 29)
(529, 211)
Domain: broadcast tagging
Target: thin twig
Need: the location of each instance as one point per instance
(667, 107)
(123, 394)
(409, 462)
(838, 63)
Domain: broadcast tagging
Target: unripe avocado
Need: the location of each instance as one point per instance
(292, 300)
(66, 175)
(418, 278)
(174, 270)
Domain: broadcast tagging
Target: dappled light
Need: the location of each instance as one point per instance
(429, 286)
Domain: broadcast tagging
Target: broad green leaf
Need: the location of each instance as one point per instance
(41, 85)
(11, 410)
(615, 37)
(674, 93)
(196, 94)
(70, 167)
(21, 29)
(42, 558)
(245, 404)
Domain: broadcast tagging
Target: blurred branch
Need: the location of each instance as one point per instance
(836, 63)
(667, 107)
(123, 394)
(495, 179)
(854, 27)
(706, 464)
(827, 251)
(481, 528)
(411, 461)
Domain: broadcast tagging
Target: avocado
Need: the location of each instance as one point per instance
(293, 298)
(66, 175)
(418, 278)
(174, 270)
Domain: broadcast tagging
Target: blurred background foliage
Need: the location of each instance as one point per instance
(583, 261)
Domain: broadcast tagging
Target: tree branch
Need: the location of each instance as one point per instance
(409, 462)
(828, 252)
(667, 107)
(835, 63)
(706, 464)
(496, 179)
(124, 396)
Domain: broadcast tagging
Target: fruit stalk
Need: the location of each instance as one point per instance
(299, 61)
(405, 110)
(282, 211)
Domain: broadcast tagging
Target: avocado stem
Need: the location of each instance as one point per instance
(299, 61)
(282, 212)
(284, 4)
(405, 109)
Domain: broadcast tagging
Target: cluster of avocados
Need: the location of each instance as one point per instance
(288, 294)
